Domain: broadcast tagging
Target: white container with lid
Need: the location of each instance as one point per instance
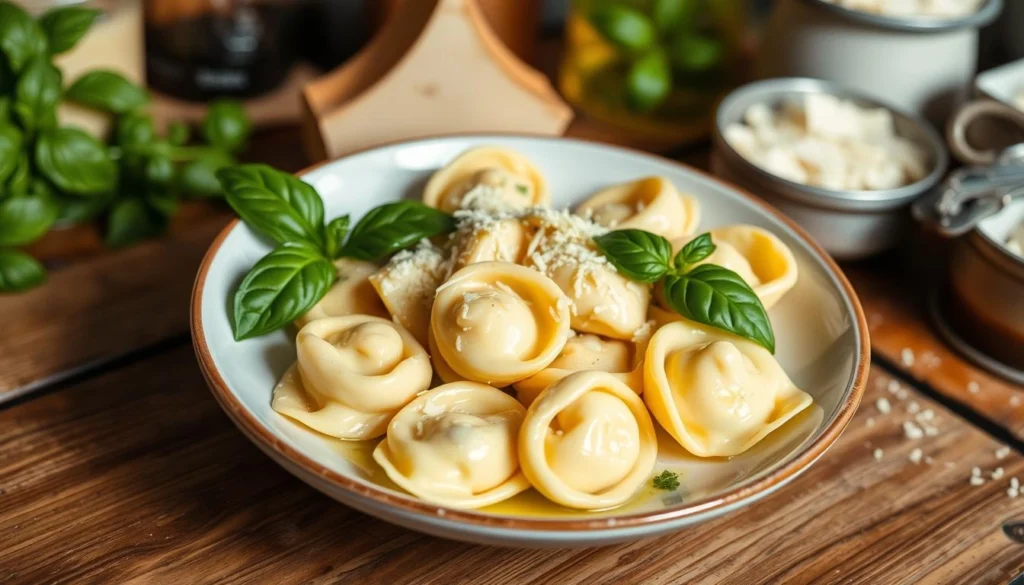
(921, 65)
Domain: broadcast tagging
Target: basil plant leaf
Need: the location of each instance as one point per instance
(178, 133)
(624, 26)
(36, 94)
(648, 82)
(21, 178)
(694, 251)
(199, 177)
(21, 37)
(26, 218)
(274, 203)
(638, 255)
(718, 297)
(64, 27)
(73, 210)
(226, 125)
(11, 141)
(108, 91)
(670, 16)
(134, 129)
(19, 271)
(337, 229)
(394, 226)
(131, 220)
(281, 287)
(75, 162)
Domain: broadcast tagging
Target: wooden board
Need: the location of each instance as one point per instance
(136, 476)
(902, 335)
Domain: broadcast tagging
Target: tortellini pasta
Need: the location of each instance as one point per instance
(456, 445)
(503, 240)
(493, 176)
(407, 283)
(499, 323)
(603, 301)
(588, 352)
(715, 393)
(757, 255)
(651, 204)
(352, 294)
(588, 442)
(353, 373)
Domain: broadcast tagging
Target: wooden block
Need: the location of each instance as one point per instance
(900, 332)
(136, 476)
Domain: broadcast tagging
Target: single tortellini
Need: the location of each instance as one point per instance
(352, 294)
(651, 204)
(586, 352)
(604, 302)
(407, 283)
(456, 445)
(492, 177)
(441, 367)
(757, 255)
(588, 442)
(717, 394)
(502, 240)
(498, 323)
(353, 373)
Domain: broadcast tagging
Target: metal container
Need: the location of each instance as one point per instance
(980, 308)
(922, 65)
(849, 224)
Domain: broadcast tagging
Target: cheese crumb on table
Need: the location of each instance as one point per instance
(915, 456)
(830, 143)
(878, 454)
(883, 406)
(1002, 452)
(907, 357)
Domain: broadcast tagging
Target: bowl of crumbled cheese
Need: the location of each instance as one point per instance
(843, 165)
(919, 55)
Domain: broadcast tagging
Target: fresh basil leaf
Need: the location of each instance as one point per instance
(21, 37)
(648, 82)
(26, 218)
(64, 27)
(10, 150)
(199, 177)
(639, 255)
(226, 125)
(131, 220)
(623, 26)
(671, 15)
(163, 202)
(36, 94)
(159, 171)
(19, 271)
(108, 91)
(282, 286)
(178, 133)
(75, 162)
(393, 226)
(5, 108)
(718, 297)
(274, 203)
(696, 53)
(337, 229)
(74, 210)
(694, 251)
(19, 182)
(134, 129)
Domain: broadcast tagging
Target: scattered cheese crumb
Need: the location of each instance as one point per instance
(912, 431)
(915, 456)
(975, 472)
(913, 408)
(975, 480)
(893, 387)
(1014, 483)
(878, 454)
(997, 473)
(907, 357)
(973, 387)
(871, 421)
(1015, 401)
(1002, 452)
(883, 406)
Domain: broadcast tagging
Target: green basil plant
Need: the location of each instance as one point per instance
(52, 175)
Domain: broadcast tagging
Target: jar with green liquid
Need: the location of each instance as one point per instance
(653, 70)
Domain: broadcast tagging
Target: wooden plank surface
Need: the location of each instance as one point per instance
(135, 476)
(902, 335)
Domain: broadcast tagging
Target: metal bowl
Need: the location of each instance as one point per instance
(849, 224)
(977, 19)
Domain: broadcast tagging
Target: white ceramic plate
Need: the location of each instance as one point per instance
(820, 329)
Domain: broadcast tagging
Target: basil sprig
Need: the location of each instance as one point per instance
(295, 275)
(705, 293)
(52, 174)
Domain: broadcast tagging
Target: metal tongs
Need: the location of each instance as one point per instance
(970, 194)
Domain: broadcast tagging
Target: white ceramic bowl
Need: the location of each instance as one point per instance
(821, 336)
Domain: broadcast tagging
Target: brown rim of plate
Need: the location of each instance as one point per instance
(786, 472)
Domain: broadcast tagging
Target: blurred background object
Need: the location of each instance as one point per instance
(653, 69)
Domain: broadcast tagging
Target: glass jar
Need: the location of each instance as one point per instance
(653, 70)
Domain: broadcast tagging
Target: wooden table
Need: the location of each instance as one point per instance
(117, 466)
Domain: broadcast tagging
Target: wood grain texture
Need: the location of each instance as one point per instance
(94, 311)
(137, 477)
(897, 320)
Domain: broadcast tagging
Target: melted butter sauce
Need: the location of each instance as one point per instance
(697, 477)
